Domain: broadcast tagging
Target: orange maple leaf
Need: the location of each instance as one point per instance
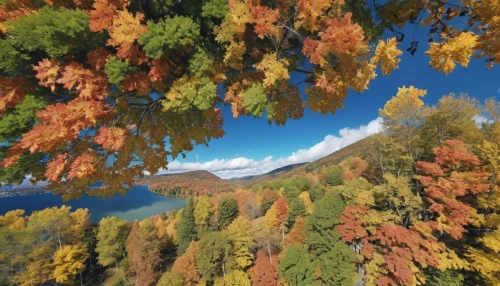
(47, 73)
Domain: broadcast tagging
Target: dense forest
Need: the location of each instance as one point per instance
(187, 184)
(421, 207)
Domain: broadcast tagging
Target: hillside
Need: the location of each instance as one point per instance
(355, 149)
(269, 175)
(195, 182)
(204, 182)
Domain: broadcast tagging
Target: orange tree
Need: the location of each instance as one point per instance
(106, 90)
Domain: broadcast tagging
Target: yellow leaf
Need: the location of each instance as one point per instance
(459, 49)
(234, 55)
(273, 69)
(387, 54)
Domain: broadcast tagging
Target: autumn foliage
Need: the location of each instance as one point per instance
(120, 78)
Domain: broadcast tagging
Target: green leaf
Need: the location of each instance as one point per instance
(116, 69)
(169, 34)
(255, 100)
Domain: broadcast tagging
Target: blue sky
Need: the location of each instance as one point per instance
(249, 142)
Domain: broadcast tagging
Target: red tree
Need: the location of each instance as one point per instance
(264, 273)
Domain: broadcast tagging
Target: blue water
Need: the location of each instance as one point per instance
(136, 204)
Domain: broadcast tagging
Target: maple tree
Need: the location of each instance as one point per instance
(90, 89)
(264, 272)
(186, 265)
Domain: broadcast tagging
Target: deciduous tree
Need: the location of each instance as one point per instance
(239, 233)
(264, 272)
(296, 266)
(143, 252)
(214, 255)
(111, 239)
(122, 75)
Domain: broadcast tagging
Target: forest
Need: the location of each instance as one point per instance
(420, 206)
(106, 92)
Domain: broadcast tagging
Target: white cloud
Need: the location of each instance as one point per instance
(241, 166)
(479, 120)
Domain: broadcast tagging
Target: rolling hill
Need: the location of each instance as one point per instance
(195, 182)
(267, 176)
(355, 149)
(205, 183)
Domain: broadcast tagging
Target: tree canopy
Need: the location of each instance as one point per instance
(108, 90)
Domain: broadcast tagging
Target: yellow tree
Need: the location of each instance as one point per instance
(403, 115)
(68, 262)
(485, 255)
(234, 278)
(239, 233)
(306, 199)
(203, 213)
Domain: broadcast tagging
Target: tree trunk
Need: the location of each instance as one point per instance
(269, 251)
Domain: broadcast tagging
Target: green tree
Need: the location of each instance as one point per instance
(111, 238)
(333, 176)
(296, 266)
(297, 208)
(320, 230)
(214, 255)
(186, 229)
(316, 194)
(228, 211)
(449, 277)
(337, 265)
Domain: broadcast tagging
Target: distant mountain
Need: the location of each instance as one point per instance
(268, 175)
(204, 182)
(355, 149)
(195, 182)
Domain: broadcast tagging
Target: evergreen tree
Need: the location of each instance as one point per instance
(228, 211)
(187, 227)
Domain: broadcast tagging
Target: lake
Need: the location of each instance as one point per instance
(138, 203)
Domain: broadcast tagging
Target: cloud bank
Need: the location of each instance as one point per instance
(241, 166)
